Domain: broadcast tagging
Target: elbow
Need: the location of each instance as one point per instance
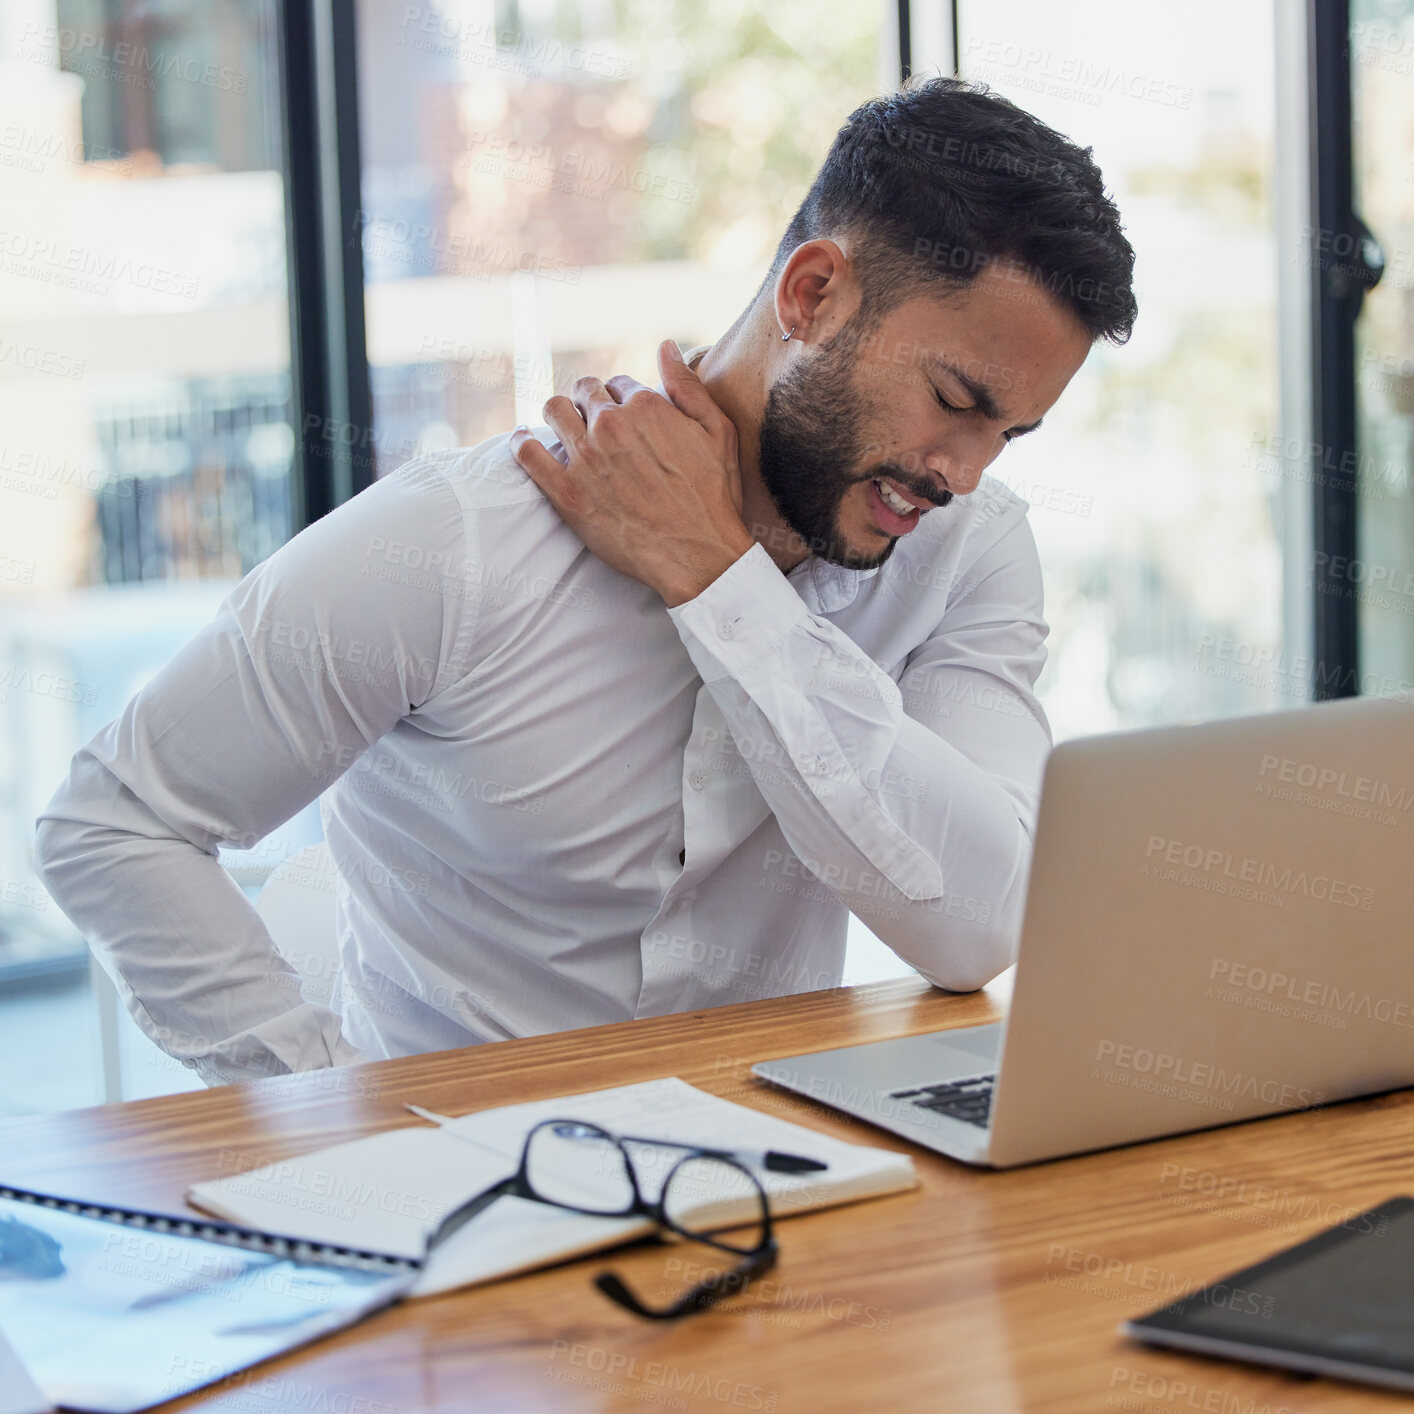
(975, 951)
(53, 851)
(980, 949)
(958, 942)
(63, 851)
(74, 834)
(967, 965)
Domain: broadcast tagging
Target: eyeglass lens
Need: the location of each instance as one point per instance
(702, 1194)
(579, 1166)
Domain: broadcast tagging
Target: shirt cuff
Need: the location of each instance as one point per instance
(740, 617)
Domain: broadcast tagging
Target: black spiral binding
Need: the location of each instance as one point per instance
(295, 1249)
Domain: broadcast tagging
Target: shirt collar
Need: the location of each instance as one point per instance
(831, 587)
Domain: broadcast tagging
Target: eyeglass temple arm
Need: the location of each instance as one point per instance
(458, 1218)
(701, 1296)
(612, 1285)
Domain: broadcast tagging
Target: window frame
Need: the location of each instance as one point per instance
(330, 394)
(331, 397)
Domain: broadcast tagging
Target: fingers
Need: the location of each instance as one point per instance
(589, 395)
(534, 458)
(561, 414)
(686, 389)
(623, 387)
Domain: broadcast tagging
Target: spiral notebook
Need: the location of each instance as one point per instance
(157, 1306)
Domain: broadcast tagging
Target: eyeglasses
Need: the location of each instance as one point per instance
(703, 1195)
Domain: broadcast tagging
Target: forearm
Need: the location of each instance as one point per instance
(243, 727)
(914, 839)
(195, 965)
(923, 831)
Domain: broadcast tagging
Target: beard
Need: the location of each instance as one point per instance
(813, 439)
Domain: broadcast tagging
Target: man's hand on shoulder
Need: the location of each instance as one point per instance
(650, 484)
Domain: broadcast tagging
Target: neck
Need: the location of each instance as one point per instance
(736, 372)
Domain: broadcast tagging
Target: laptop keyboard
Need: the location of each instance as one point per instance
(967, 1100)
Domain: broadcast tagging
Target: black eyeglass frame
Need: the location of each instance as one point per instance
(754, 1260)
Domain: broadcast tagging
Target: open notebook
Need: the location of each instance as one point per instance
(384, 1193)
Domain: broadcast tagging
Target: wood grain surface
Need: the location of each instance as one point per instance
(978, 1291)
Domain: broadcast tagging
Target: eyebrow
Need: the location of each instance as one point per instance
(982, 398)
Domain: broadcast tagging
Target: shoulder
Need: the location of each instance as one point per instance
(483, 477)
(427, 517)
(495, 522)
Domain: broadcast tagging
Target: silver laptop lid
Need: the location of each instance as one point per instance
(1219, 925)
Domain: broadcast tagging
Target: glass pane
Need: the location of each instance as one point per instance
(1154, 503)
(1382, 61)
(145, 436)
(552, 188)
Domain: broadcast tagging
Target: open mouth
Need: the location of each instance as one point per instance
(892, 514)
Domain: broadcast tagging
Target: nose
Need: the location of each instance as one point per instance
(959, 471)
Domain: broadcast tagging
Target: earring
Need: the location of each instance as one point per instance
(785, 338)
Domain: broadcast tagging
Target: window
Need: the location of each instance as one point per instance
(548, 188)
(551, 189)
(145, 439)
(1155, 498)
(1380, 576)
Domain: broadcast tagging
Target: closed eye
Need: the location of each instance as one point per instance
(1010, 435)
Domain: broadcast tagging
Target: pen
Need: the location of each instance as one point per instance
(772, 1160)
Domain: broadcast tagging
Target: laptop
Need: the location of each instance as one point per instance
(1217, 929)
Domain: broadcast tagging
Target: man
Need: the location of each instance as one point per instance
(626, 730)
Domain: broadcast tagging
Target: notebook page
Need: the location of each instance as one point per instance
(672, 1109)
(386, 1191)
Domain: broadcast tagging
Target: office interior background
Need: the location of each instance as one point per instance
(255, 254)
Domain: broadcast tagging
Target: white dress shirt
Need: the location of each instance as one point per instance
(552, 801)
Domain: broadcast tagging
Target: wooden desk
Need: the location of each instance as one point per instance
(979, 1291)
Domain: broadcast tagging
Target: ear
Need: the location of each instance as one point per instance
(816, 292)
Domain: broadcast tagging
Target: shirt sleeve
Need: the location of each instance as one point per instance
(316, 654)
(914, 801)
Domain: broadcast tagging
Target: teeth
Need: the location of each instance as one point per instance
(893, 500)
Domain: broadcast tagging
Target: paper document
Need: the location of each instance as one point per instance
(386, 1192)
(111, 1311)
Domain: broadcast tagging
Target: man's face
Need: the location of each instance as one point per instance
(865, 434)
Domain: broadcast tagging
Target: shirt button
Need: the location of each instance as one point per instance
(698, 780)
(725, 629)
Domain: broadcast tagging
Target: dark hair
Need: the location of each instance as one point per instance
(943, 178)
